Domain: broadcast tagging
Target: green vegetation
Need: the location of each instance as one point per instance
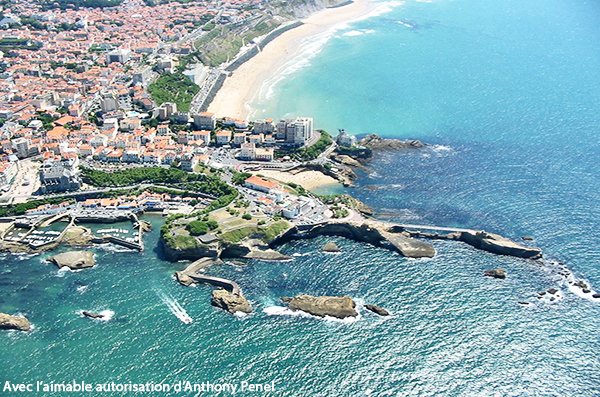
(274, 230)
(198, 228)
(174, 88)
(265, 233)
(237, 235)
(247, 216)
(12, 43)
(20, 209)
(239, 178)
(181, 242)
(76, 4)
(184, 181)
(308, 153)
(223, 43)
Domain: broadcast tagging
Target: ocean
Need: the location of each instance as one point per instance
(507, 95)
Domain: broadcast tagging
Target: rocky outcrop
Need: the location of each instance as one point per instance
(495, 273)
(371, 232)
(377, 310)
(92, 315)
(321, 306)
(74, 260)
(230, 301)
(266, 255)
(18, 323)
(331, 247)
(375, 142)
(496, 244)
(346, 160)
(77, 236)
(200, 251)
(183, 279)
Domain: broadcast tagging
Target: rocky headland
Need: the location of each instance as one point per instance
(18, 323)
(333, 306)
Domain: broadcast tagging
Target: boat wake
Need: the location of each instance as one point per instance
(175, 308)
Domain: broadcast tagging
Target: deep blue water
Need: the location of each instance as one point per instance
(509, 94)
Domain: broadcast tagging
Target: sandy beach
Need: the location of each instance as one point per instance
(307, 179)
(240, 88)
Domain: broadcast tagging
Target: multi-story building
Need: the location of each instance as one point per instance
(205, 121)
(201, 135)
(21, 147)
(223, 137)
(189, 162)
(120, 55)
(166, 110)
(239, 138)
(59, 176)
(295, 131)
(263, 126)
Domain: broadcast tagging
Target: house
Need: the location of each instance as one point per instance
(205, 121)
(239, 138)
(223, 137)
(189, 162)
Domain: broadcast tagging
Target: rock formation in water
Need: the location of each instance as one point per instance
(18, 323)
(331, 247)
(377, 310)
(495, 273)
(92, 315)
(321, 306)
(230, 301)
(497, 244)
(74, 259)
(375, 142)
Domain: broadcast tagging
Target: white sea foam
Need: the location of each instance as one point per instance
(358, 32)
(175, 308)
(308, 49)
(284, 311)
(82, 288)
(107, 315)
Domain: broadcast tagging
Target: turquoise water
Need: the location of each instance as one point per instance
(509, 94)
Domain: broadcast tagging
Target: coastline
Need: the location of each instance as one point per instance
(238, 90)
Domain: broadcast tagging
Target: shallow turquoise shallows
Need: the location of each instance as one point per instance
(508, 95)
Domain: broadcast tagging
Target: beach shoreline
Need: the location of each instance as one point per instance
(309, 180)
(239, 89)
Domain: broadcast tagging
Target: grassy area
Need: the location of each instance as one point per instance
(266, 233)
(174, 88)
(273, 230)
(308, 153)
(223, 43)
(181, 242)
(237, 235)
